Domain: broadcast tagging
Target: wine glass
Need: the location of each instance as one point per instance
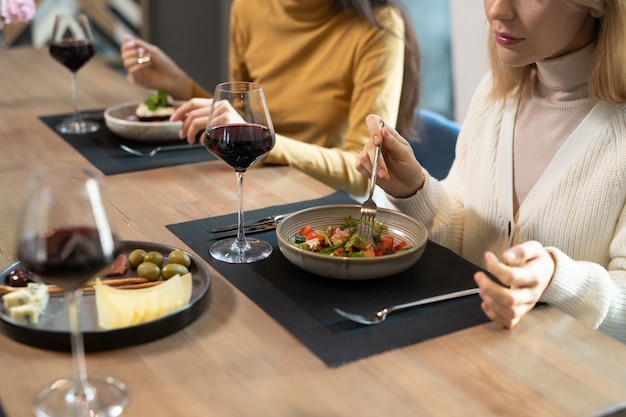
(72, 45)
(65, 239)
(240, 132)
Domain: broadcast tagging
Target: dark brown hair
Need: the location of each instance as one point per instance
(409, 99)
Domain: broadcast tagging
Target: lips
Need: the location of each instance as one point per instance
(503, 38)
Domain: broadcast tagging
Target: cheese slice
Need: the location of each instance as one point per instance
(122, 308)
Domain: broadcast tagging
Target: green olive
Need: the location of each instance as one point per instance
(136, 257)
(154, 257)
(149, 270)
(178, 256)
(172, 269)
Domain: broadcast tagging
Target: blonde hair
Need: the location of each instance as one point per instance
(607, 78)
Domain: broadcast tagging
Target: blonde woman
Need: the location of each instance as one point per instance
(537, 191)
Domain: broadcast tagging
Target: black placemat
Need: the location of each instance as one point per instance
(303, 302)
(102, 149)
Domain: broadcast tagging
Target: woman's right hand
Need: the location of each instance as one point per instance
(148, 66)
(399, 172)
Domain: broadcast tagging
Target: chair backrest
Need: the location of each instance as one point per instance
(435, 142)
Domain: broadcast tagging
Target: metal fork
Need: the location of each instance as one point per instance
(379, 316)
(369, 207)
(158, 149)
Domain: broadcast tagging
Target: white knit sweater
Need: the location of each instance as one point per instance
(576, 208)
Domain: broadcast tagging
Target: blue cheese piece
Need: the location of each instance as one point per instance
(39, 293)
(26, 304)
(34, 293)
(17, 298)
(26, 313)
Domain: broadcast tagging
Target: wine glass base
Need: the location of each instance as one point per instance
(77, 127)
(230, 251)
(109, 399)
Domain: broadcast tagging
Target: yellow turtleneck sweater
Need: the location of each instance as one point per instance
(322, 73)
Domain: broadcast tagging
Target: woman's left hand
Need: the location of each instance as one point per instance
(195, 117)
(525, 273)
(194, 114)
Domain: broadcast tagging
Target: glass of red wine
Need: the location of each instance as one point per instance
(240, 132)
(64, 238)
(72, 46)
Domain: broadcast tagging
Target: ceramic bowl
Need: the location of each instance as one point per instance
(122, 121)
(396, 224)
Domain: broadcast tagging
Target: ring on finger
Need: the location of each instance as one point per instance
(142, 57)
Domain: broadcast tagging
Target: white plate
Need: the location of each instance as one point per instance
(121, 120)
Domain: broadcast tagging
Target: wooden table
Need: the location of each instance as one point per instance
(235, 360)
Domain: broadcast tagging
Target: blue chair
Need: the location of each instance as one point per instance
(435, 142)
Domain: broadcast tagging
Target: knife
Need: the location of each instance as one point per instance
(260, 222)
(248, 230)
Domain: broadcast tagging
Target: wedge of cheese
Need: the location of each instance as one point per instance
(122, 308)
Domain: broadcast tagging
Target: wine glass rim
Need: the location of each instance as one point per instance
(239, 86)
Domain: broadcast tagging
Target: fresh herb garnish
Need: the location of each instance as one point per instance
(157, 100)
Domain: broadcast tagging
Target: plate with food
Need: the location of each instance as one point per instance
(150, 292)
(146, 121)
(324, 240)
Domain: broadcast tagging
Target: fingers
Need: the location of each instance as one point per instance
(500, 304)
(194, 115)
(194, 107)
(135, 53)
(525, 274)
(143, 56)
(526, 264)
(194, 129)
(365, 160)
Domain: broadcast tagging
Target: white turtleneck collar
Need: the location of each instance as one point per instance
(567, 74)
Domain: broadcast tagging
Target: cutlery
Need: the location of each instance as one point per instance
(368, 208)
(257, 228)
(264, 220)
(380, 316)
(158, 149)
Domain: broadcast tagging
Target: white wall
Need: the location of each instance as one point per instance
(469, 55)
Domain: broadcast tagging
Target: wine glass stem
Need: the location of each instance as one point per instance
(82, 393)
(77, 120)
(241, 237)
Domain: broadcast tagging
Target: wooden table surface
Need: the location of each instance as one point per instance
(235, 360)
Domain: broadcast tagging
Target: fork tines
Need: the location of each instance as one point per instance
(368, 219)
(368, 208)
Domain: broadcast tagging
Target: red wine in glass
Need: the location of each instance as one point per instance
(73, 53)
(239, 132)
(67, 257)
(65, 238)
(72, 45)
(239, 145)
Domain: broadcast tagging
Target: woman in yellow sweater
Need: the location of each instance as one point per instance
(324, 66)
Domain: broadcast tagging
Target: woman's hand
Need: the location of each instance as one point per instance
(195, 116)
(399, 173)
(148, 66)
(527, 271)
